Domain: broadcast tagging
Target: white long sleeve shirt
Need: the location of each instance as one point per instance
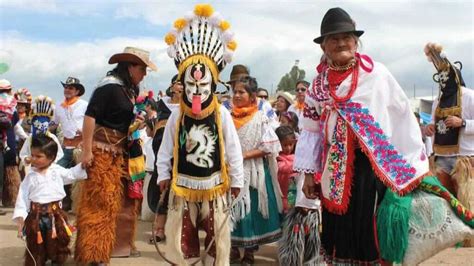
(70, 118)
(466, 138)
(232, 149)
(45, 188)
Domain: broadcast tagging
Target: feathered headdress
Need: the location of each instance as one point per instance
(201, 36)
(42, 111)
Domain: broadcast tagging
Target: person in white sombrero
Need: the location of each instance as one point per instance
(103, 202)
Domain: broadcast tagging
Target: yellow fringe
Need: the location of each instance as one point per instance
(202, 59)
(444, 149)
(193, 195)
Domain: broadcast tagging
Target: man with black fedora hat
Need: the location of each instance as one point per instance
(69, 115)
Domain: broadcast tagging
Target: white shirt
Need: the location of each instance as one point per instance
(466, 139)
(45, 188)
(232, 149)
(149, 155)
(70, 118)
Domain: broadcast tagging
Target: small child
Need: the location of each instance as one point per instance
(301, 227)
(287, 138)
(38, 212)
(290, 119)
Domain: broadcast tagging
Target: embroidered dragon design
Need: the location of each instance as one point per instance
(200, 145)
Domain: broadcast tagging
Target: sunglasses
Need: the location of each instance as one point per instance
(263, 96)
(301, 90)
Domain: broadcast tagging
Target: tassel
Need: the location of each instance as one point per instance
(53, 230)
(39, 238)
(68, 231)
(392, 226)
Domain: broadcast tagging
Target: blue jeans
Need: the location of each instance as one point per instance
(67, 161)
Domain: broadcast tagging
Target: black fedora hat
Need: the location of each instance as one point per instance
(76, 83)
(336, 21)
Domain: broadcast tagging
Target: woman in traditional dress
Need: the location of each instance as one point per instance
(258, 209)
(352, 118)
(106, 217)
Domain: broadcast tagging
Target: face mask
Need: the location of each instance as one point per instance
(197, 85)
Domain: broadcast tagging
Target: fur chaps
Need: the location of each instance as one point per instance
(11, 185)
(56, 249)
(99, 203)
(463, 174)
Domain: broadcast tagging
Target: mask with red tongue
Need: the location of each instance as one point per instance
(198, 87)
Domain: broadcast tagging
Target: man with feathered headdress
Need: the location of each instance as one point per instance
(453, 128)
(200, 158)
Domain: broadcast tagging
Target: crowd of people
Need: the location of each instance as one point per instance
(308, 169)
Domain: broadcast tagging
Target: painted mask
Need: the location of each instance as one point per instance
(197, 85)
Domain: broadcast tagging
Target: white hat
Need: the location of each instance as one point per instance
(286, 95)
(5, 84)
(133, 55)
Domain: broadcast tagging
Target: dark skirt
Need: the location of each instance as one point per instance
(351, 238)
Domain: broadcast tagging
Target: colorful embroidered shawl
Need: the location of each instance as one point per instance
(383, 124)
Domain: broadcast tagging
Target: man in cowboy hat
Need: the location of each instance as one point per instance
(69, 115)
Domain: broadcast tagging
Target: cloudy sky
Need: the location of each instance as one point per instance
(45, 41)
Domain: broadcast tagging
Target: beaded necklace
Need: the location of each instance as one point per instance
(335, 78)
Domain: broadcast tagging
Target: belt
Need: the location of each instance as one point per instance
(74, 142)
(46, 208)
(108, 139)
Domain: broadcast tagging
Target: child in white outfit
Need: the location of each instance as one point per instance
(38, 212)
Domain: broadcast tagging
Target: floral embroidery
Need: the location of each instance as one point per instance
(320, 93)
(337, 161)
(394, 166)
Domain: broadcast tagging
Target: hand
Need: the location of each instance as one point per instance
(28, 160)
(87, 158)
(429, 130)
(235, 191)
(20, 224)
(453, 121)
(310, 190)
(164, 185)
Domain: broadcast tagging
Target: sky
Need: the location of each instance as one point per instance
(45, 41)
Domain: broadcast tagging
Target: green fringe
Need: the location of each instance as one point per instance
(392, 226)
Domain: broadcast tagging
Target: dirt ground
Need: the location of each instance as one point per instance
(12, 250)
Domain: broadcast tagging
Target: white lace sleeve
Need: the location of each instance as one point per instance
(270, 143)
(308, 152)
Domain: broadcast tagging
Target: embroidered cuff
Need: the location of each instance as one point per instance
(307, 154)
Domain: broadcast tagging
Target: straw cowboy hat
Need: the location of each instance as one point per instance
(133, 55)
(337, 20)
(76, 83)
(286, 95)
